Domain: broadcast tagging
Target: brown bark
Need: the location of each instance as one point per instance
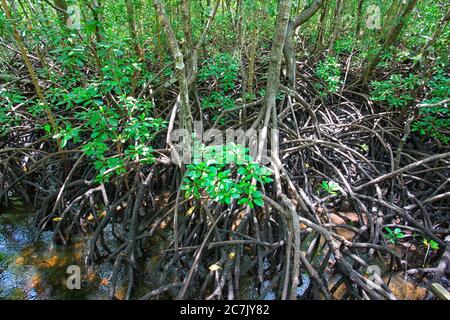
(62, 14)
(31, 71)
(133, 30)
(335, 24)
(180, 67)
(288, 49)
(273, 76)
(359, 17)
(389, 40)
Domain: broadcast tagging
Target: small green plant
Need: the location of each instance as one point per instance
(222, 72)
(364, 147)
(66, 134)
(394, 235)
(343, 45)
(434, 121)
(8, 117)
(329, 71)
(330, 186)
(226, 174)
(217, 99)
(223, 68)
(431, 244)
(130, 130)
(395, 91)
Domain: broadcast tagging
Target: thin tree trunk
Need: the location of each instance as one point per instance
(31, 71)
(61, 11)
(391, 37)
(273, 75)
(322, 26)
(359, 17)
(133, 31)
(251, 59)
(160, 56)
(180, 67)
(388, 19)
(335, 24)
(288, 48)
(187, 30)
(239, 45)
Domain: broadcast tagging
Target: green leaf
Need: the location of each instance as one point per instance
(64, 141)
(434, 245)
(243, 201)
(259, 202)
(47, 128)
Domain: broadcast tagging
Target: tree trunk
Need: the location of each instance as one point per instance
(288, 48)
(335, 24)
(391, 37)
(322, 26)
(251, 60)
(62, 15)
(240, 29)
(180, 68)
(31, 71)
(133, 31)
(187, 30)
(273, 76)
(359, 17)
(276, 53)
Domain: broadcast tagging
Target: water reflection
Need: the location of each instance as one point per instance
(31, 270)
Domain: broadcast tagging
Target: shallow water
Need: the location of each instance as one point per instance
(37, 270)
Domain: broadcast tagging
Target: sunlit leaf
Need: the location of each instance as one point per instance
(215, 267)
(190, 211)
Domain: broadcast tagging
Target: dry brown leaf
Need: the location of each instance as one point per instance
(20, 261)
(303, 226)
(347, 234)
(238, 220)
(351, 216)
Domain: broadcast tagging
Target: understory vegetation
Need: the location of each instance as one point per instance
(350, 167)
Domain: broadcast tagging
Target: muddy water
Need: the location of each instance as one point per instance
(37, 270)
(31, 270)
